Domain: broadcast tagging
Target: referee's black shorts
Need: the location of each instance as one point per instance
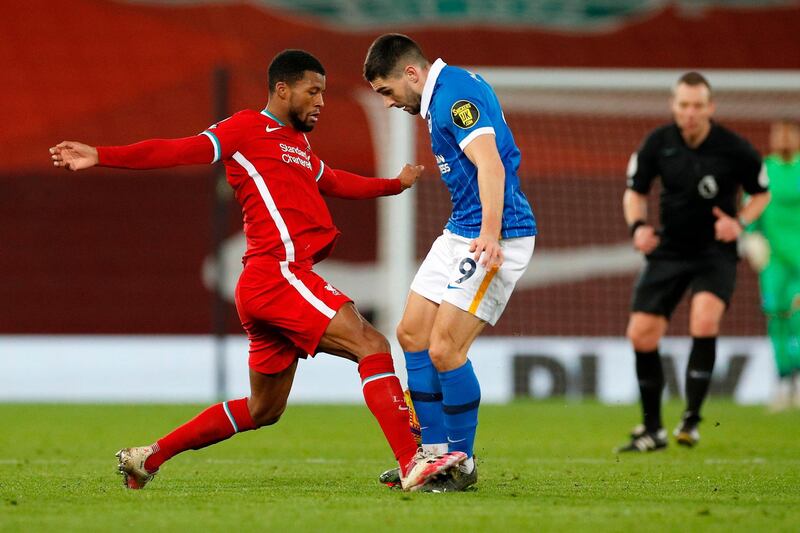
(664, 280)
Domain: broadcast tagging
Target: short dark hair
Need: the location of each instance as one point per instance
(387, 51)
(694, 78)
(290, 66)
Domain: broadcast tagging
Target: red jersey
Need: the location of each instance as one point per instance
(276, 177)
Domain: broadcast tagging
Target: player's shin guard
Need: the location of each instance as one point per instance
(461, 397)
(217, 423)
(384, 397)
(426, 393)
(698, 374)
(650, 375)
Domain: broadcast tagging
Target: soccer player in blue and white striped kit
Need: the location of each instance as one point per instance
(468, 275)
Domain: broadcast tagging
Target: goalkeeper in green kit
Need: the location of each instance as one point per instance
(772, 245)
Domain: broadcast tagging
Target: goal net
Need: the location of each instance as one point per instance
(576, 129)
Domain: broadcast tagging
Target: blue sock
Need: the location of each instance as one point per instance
(461, 397)
(426, 393)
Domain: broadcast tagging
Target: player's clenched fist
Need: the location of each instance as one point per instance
(71, 155)
(409, 175)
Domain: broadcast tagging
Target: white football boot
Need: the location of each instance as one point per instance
(425, 465)
(131, 466)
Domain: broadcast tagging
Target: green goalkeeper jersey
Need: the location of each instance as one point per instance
(780, 222)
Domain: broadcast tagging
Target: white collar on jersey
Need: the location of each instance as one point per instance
(430, 83)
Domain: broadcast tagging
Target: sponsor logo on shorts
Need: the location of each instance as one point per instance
(465, 114)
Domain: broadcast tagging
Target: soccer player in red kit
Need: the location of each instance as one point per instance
(287, 310)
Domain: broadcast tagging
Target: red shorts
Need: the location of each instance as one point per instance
(285, 309)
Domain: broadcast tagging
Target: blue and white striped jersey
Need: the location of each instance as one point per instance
(460, 106)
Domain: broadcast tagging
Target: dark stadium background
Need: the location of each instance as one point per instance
(120, 252)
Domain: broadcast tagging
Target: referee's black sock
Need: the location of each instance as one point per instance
(698, 375)
(651, 383)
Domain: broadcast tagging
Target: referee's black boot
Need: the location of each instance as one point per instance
(643, 440)
(686, 434)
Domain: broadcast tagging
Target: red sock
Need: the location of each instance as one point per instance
(218, 422)
(385, 399)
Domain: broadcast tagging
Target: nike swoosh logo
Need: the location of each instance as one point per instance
(452, 286)
(459, 440)
(270, 130)
(402, 408)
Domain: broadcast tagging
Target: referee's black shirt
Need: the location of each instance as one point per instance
(693, 180)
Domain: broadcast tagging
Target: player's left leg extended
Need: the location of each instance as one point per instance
(705, 315)
(267, 401)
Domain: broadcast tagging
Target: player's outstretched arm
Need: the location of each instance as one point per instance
(343, 184)
(152, 153)
(71, 155)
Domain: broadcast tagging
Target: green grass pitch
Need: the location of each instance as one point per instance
(544, 466)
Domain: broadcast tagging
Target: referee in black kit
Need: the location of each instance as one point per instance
(701, 165)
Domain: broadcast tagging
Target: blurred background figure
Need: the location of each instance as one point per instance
(772, 246)
(701, 165)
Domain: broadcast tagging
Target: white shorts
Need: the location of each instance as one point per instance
(449, 274)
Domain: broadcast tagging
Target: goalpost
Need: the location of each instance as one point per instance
(576, 129)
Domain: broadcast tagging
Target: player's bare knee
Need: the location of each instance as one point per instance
(404, 336)
(634, 332)
(371, 341)
(378, 343)
(704, 327)
(645, 342)
(644, 337)
(444, 355)
(409, 341)
(438, 356)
